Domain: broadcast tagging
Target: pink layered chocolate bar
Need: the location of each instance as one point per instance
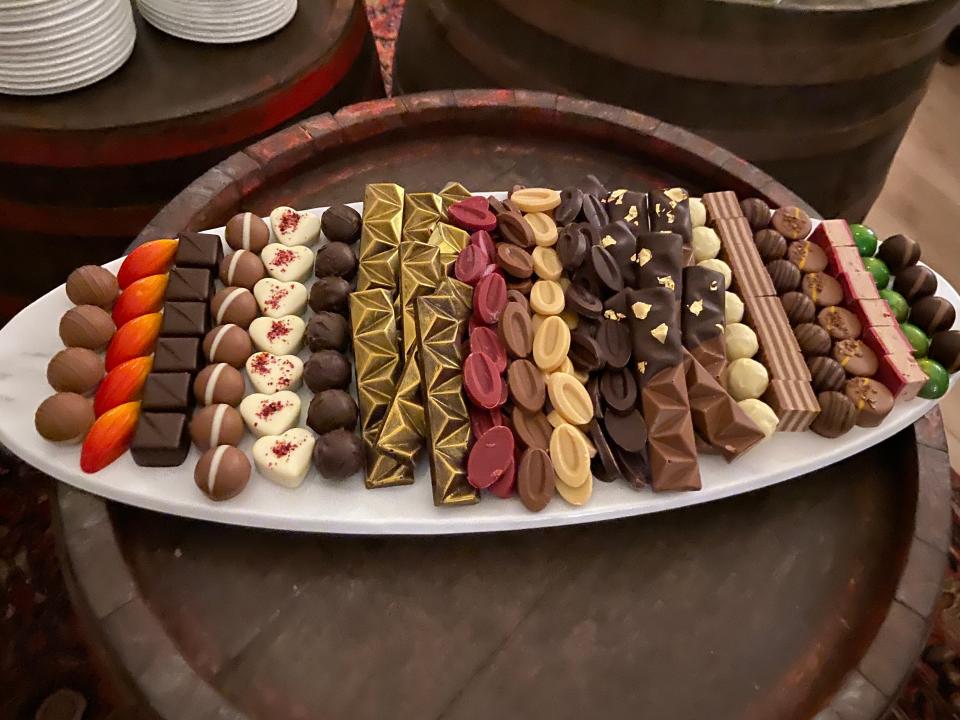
(873, 313)
(832, 233)
(843, 259)
(886, 340)
(902, 375)
(858, 286)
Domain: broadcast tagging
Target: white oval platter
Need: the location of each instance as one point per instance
(320, 505)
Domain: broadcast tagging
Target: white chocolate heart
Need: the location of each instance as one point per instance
(270, 414)
(285, 458)
(280, 336)
(271, 373)
(291, 227)
(277, 298)
(288, 263)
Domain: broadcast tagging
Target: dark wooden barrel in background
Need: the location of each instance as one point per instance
(817, 93)
(82, 173)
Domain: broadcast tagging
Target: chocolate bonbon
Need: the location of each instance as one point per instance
(837, 414)
(281, 336)
(807, 256)
(945, 349)
(826, 373)
(222, 472)
(218, 383)
(785, 276)
(270, 414)
(284, 459)
(770, 244)
(287, 263)
(899, 252)
(705, 244)
(75, 370)
(86, 326)
(227, 343)
(746, 378)
(823, 289)
(167, 392)
(340, 223)
(294, 227)
(176, 354)
(791, 222)
(327, 369)
(271, 373)
(330, 293)
(246, 231)
(234, 305)
(855, 357)
(761, 414)
(840, 323)
(335, 259)
(64, 417)
(872, 400)
(740, 341)
(200, 250)
(813, 339)
(275, 298)
(215, 425)
(92, 285)
(332, 410)
(933, 314)
(915, 282)
(338, 454)
(798, 307)
(161, 440)
(757, 212)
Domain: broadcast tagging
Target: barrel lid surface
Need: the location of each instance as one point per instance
(774, 604)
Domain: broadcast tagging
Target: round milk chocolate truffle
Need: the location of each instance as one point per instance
(338, 454)
(770, 244)
(92, 285)
(86, 326)
(756, 211)
(218, 383)
(933, 314)
(234, 305)
(837, 414)
(798, 307)
(246, 231)
(227, 343)
(64, 417)
(826, 373)
(785, 276)
(945, 349)
(899, 252)
(340, 223)
(335, 258)
(330, 293)
(242, 268)
(76, 370)
(332, 409)
(812, 339)
(222, 472)
(327, 369)
(915, 282)
(215, 425)
(328, 331)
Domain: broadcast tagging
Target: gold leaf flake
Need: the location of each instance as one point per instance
(677, 194)
(640, 310)
(696, 307)
(617, 196)
(613, 315)
(642, 367)
(667, 282)
(607, 241)
(631, 213)
(714, 286)
(660, 332)
(642, 257)
(671, 217)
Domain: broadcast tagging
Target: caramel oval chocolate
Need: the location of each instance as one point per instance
(807, 256)
(526, 385)
(536, 482)
(840, 323)
(536, 200)
(791, 222)
(544, 229)
(532, 428)
(822, 289)
(546, 297)
(514, 260)
(516, 230)
(855, 357)
(546, 263)
(551, 343)
(618, 389)
(872, 400)
(515, 330)
(569, 455)
(570, 398)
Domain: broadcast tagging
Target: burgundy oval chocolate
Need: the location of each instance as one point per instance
(485, 340)
(490, 457)
(514, 260)
(619, 389)
(504, 394)
(572, 246)
(594, 211)
(504, 487)
(482, 420)
(536, 482)
(489, 298)
(483, 239)
(482, 381)
(571, 200)
(471, 264)
(605, 267)
(514, 229)
(614, 339)
(532, 428)
(527, 387)
(470, 216)
(585, 352)
(583, 302)
(473, 323)
(516, 330)
(627, 430)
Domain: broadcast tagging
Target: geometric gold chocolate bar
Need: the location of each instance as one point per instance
(380, 237)
(442, 320)
(377, 358)
(420, 274)
(421, 211)
(451, 240)
(452, 192)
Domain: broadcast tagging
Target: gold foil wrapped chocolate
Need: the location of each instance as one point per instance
(380, 237)
(452, 192)
(441, 321)
(420, 274)
(377, 357)
(421, 213)
(451, 240)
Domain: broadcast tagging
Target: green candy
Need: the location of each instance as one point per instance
(865, 238)
(938, 379)
(878, 268)
(918, 339)
(897, 302)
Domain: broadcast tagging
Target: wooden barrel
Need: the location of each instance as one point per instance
(82, 173)
(819, 94)
(812, 596)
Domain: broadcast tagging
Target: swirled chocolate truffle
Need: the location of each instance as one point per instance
(335, 258)
(332, 410)
(65, 417)
(328, 331)
(798, 307)
(756, 211)
(341, 223)
(330, 293)
(770, 244)
(76, 370)
(338, 454)
(86, 326)
(327, 369)
(92, 285)
(826, 373)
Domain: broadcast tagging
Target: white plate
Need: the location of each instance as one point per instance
(118, 21)
(99, 53)
(319, 505)
(231, 32)
(53, 22)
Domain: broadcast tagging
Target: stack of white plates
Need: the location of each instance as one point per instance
(218, 21)
(51, 46)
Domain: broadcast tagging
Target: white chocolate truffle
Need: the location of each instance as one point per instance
(280, 336)
(288, 263)
(698, 212)
(740, 341)
(732, 308)
(721, 267)
(762, 415)
(277, 298)
(284, 459)
(746, 378)
(271, 373)
(270, 414)
(291, 227)
(706, 244)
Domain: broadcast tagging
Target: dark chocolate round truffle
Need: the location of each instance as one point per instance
(330, 293)
(807, 256)
(242, 268)
(327, 369)
(756, 211)
(328, 331)
(246, 231)
(826, 373)
(812, 339)
(222, 472)
(770, 244)
(837, 414)
(335, 258)
(76, 370)
(785, 276)
(933, 314)
(338, 454)
(332, 409)
(65, 417)
(798, 307)
(899, 252)
(92, 285)
(915, 282)
(945, 349)
(340, 223)
(234, 305)
(86, 326)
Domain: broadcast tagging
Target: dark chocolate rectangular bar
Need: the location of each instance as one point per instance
(160, 440)
(658, 262)
(189, 284)
(201, 250)
(167, 392)
(670, 211)
(177, 354)
(630, 206)
(702, 318)
(654, 330)
(185, 319)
